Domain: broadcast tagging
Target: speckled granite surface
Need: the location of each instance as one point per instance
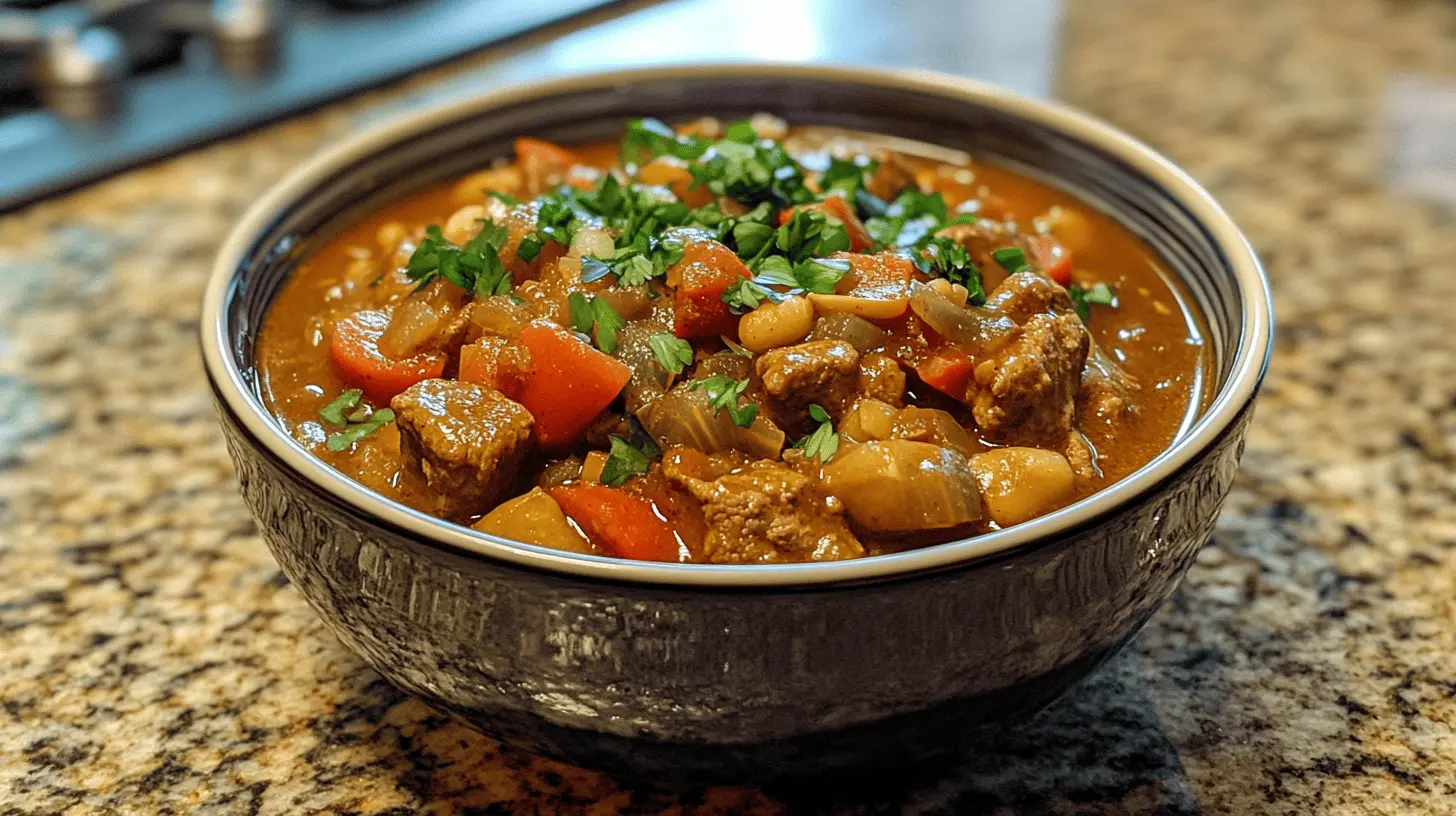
(153, 660)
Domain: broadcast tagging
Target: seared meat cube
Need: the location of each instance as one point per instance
(1107, 391)
(881, 378)
(466, 441)
(825, 372)
(1025, 393)
(768, 513)
(1025, 294)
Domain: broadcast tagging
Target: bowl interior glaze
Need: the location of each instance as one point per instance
(1214, 266)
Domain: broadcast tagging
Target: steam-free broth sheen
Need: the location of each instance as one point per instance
(734, 343)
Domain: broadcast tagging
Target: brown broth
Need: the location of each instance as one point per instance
(1153, 332)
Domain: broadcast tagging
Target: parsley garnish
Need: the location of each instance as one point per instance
(821, 275)
(911, 218)
(475, 267)
(503, 197)
(595, 316)
(744, 295)
(358, 423)
(946, 258)
(723, 392)
(334, 412)
(671, 352)
(823, 442)
(847, 176)
(750, 170)
(810, 233)
(1082, 299)
(635, 264)
(1012, 259)
(624, 462)
(650, 138)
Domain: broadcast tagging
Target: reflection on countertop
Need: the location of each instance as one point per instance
(154, 658)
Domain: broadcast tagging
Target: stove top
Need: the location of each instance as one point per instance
(88, 87)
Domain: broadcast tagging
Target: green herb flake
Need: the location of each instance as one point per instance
(1012, 259)
(847, 177)
(623, 462)
(345, 439)
(823, 443)
(672, 353)
(333, 413)
(1083, 300)
(475, 267)
(503, 197)
(744, 295)
(723, 393)
(821, 275)
(946, 258)
(580, 312)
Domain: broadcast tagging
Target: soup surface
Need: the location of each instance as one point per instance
(734, 343)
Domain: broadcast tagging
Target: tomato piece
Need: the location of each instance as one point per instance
(705, 272)
(1054, 259)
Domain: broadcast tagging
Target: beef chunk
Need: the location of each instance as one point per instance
(466, 441)
(1026, 294)
(1024, 394)
(1108, 393)
(881, 378)
(768, 513)
(825, 372)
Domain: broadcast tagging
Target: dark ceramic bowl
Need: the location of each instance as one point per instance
(692, 671)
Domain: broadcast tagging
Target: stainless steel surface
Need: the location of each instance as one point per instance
(268, 58)
(190, 71)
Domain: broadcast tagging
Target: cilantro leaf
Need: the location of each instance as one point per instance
(750, 170)
(847, 176)
(624, 462)
(649, 138)
(333, 413)
(823, 443)
(744, 295)
(723, 392)
(946, 258)
(821, 275)
(911, 218)
(1099, 294)
(608, 323)
(581, 313)
(1012, 259)
(671, 352)
(810, 233)
(503, 197)
(345, 439)
(475, 267)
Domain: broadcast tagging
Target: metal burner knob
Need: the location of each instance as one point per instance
(78, 72)
(245, 35)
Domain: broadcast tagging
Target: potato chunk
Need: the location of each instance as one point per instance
(534, 518)
(1019, 484)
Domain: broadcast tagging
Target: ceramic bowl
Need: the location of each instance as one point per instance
(683, 672)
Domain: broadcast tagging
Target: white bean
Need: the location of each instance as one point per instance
(772, 325)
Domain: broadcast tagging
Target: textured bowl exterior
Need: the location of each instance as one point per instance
(698, 673)
(696, 683)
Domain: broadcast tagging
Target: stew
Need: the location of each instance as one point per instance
(734, 343)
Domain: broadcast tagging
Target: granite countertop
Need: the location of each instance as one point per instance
(153, 659)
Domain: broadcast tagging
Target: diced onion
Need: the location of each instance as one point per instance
(973, 329)
(852, 329)
(594, 242)
(682, 417)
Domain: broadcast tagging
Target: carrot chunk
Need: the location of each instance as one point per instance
(947, 371)
(625, 524)
(354, 349)
(569, 385)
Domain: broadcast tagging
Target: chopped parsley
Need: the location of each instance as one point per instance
(823, 443)
(634, 265)
(744, 295)
(810, 233)
(723, 392)
(333, 413)
(596, 317)
(1012, 259)
(911, 218)
(503, 197)
(1099, 294)
(475, 267)
(750, 170)
(821, 275)
(624, 462)
(646, 139)
(360, 422)
(847, 176)
(946, 258)
(671, 352)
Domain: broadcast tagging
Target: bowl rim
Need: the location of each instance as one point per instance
(1250, 361)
